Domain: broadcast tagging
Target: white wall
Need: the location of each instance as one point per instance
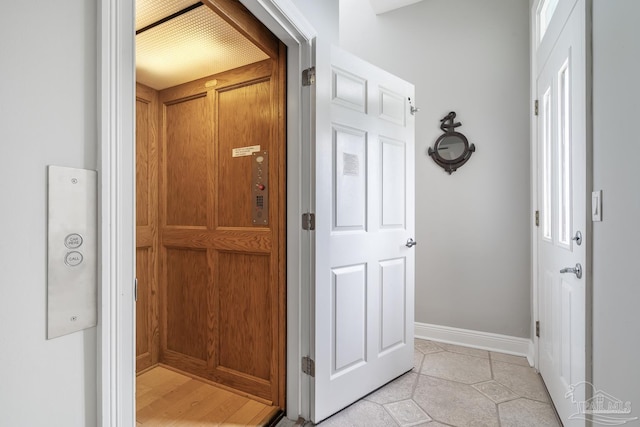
(47, 116)
(616, 108)
(468, 56)
(323, 15)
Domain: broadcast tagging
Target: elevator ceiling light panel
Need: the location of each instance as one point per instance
(194, 45)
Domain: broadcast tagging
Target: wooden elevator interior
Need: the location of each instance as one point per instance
(211, 282)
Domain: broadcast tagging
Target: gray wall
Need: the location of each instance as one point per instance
(323, 15)
(47, 116)
(616, 108)
(473, 252)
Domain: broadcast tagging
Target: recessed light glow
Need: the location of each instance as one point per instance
(194, 45)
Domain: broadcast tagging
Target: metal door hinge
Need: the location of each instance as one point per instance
(135, 290)
(308, 221)
(309, 76)
(308, 366)
(538, 328)
(537, 218)
(535, 107)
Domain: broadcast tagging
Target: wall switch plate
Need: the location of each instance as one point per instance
(596, 206)
(72, 290)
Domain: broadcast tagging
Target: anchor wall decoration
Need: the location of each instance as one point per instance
(452, 149)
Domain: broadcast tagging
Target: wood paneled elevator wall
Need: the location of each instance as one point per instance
(211, 283)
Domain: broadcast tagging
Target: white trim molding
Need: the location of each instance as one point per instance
(116, 148)
(476, 339)
(531, 355)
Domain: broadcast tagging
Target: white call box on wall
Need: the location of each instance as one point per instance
(72, 250)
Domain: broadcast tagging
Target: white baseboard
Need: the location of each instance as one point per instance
(531, 354)
(476, 339)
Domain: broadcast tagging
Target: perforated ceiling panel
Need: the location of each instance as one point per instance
(150, 11)
(188, 47)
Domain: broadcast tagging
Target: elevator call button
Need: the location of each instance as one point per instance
(73, 241)
(73, 259)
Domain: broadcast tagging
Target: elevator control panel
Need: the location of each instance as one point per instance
(72, 250)
(260, 188)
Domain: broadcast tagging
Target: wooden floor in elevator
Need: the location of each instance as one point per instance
(165, 397)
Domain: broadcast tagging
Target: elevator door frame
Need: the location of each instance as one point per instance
(116, 145)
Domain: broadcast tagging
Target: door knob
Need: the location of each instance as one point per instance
(411, 242)
(577, 270)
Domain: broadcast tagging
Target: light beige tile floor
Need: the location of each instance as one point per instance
(452, 385)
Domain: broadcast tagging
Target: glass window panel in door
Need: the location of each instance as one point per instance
(544, 16)
(564, 155)
(546, 164)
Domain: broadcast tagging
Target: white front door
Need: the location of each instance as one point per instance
(364, 269)
(562, 258)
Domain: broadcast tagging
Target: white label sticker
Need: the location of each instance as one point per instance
(350, 164)
(245, 151)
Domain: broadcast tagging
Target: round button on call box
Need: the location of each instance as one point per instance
(73, 241)
(73, 259)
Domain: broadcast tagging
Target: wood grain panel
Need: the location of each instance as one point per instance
(223, 279)
(258, 71)
(230, 240)
(187, 286)
(144, 237)
(144, 116)
(147, 331)
(143, 306)
(187, 133)
(245, 118)
(244, 313)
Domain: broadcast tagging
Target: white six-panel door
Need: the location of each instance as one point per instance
(364, 272)
(562, 142)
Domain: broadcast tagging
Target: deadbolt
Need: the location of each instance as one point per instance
(578, 238)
